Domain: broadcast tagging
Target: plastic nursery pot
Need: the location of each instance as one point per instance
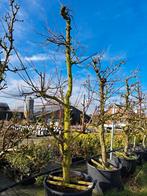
(139, 157)
(106, 179)
(140, 151)
(27, 180)
(52, 190)
(77, 159)
(144, 157)
(128, 165)
(3, 164)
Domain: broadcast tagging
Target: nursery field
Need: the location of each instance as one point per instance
(63, 132)
(134, 186)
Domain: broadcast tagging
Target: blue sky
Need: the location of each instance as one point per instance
(116, 27)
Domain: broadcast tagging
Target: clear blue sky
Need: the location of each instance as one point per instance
(118, 27)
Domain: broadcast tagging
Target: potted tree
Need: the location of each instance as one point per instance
(126, 158)
(144, 151)
(141, 126)
(105, 172)
(64, 182)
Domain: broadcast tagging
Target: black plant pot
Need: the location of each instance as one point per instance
(77, 159)
(51, 190)
(27, 180)
(128, 165)
(142, 154)
(139, 160)
(4, 163)
(106, 179)
(144, 157)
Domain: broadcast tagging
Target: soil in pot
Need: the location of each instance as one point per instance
(106, 179)
(80, 185)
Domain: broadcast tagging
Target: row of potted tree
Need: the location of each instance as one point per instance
(103, 173)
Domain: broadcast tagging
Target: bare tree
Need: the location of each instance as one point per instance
(129, 115)
(106, 86)
(140, 106)
(12, 133)
(59, 92)
(7, 41)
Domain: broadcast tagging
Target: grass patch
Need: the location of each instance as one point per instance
(135, 185)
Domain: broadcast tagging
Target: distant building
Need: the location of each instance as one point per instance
(119, 116)
(116, 109)
(55, 113)
(29, 108)
(48, 112)
(5, 113)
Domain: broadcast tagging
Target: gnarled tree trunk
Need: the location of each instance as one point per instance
(66, 132)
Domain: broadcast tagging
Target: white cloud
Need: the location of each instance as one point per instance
(109, 57)
(10, 95)
(53, 56)
(37, 57)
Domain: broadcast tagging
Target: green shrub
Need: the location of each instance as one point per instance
(29, 159)
(39, 180)
(86, 145)
(119, 140)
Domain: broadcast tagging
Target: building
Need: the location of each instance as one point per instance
(119, 116)
(5, 113)
(29, 108)
(116, 116)
(49, 113)
(55, 113)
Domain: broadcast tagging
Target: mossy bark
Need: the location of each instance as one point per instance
(102, 129)
(66, 132)
(144, 141)
(134, 142)
(127, 108)
(66, 146)
(126, 143)
(103, 145)
(83, 117)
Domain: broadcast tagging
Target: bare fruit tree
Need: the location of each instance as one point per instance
(129, 115)
(56, 89)
(7, 24)
(106, 86)
(140, 107)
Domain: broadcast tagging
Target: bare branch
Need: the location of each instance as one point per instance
(7, 40)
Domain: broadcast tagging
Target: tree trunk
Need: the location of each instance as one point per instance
(144, 141)
(66, 123)
(134, 142)
(66, 146)
(126, 143)
(83, 117)
(127, 108)
(103, 146)
(102, 114)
